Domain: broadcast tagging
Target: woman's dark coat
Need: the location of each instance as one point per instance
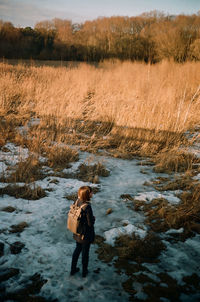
(87, 221)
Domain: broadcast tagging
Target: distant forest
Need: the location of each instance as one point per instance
(150, 37)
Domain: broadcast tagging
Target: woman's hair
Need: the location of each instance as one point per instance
(89, 188)
(84, 193)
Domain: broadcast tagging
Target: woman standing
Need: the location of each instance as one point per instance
(84, 241)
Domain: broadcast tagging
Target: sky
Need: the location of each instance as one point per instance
(28, 12)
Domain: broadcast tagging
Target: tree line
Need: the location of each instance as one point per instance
(150, 37)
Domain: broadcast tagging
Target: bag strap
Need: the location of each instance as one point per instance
(83, 206)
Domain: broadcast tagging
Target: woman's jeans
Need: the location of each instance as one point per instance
(84, 247)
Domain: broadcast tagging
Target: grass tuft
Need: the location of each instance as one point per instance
(26, 171)
(25, 192)
(91, 173)
(174, 161)
(139, 250)
(60, 157)
(18, 228)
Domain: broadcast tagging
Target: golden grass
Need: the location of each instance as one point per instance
(143, 107)
(7, 131)
(174, 161)
(26, 171)
(60, 156)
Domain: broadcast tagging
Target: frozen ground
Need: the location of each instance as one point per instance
(49, 245)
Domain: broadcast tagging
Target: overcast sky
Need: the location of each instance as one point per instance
(29, 12)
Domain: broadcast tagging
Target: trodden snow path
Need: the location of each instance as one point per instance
(49, 245)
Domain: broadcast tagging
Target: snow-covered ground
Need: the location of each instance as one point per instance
(49, 245)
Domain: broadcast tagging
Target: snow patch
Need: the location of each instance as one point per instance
(3, 167)
(174, 231)
(112, 234)
(197, 177)
(149, 196)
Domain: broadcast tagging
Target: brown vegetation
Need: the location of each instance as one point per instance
(162, 216)
(25, 192)
(8, 209)
(106, 108)
(139, 250)
(60, 156)
(18, 228)
(131, 248)
(91, 173)
(27, 171)
(174, 161)
(7, 130)
(167, 287)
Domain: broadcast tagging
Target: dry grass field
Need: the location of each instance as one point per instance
(130, 107)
